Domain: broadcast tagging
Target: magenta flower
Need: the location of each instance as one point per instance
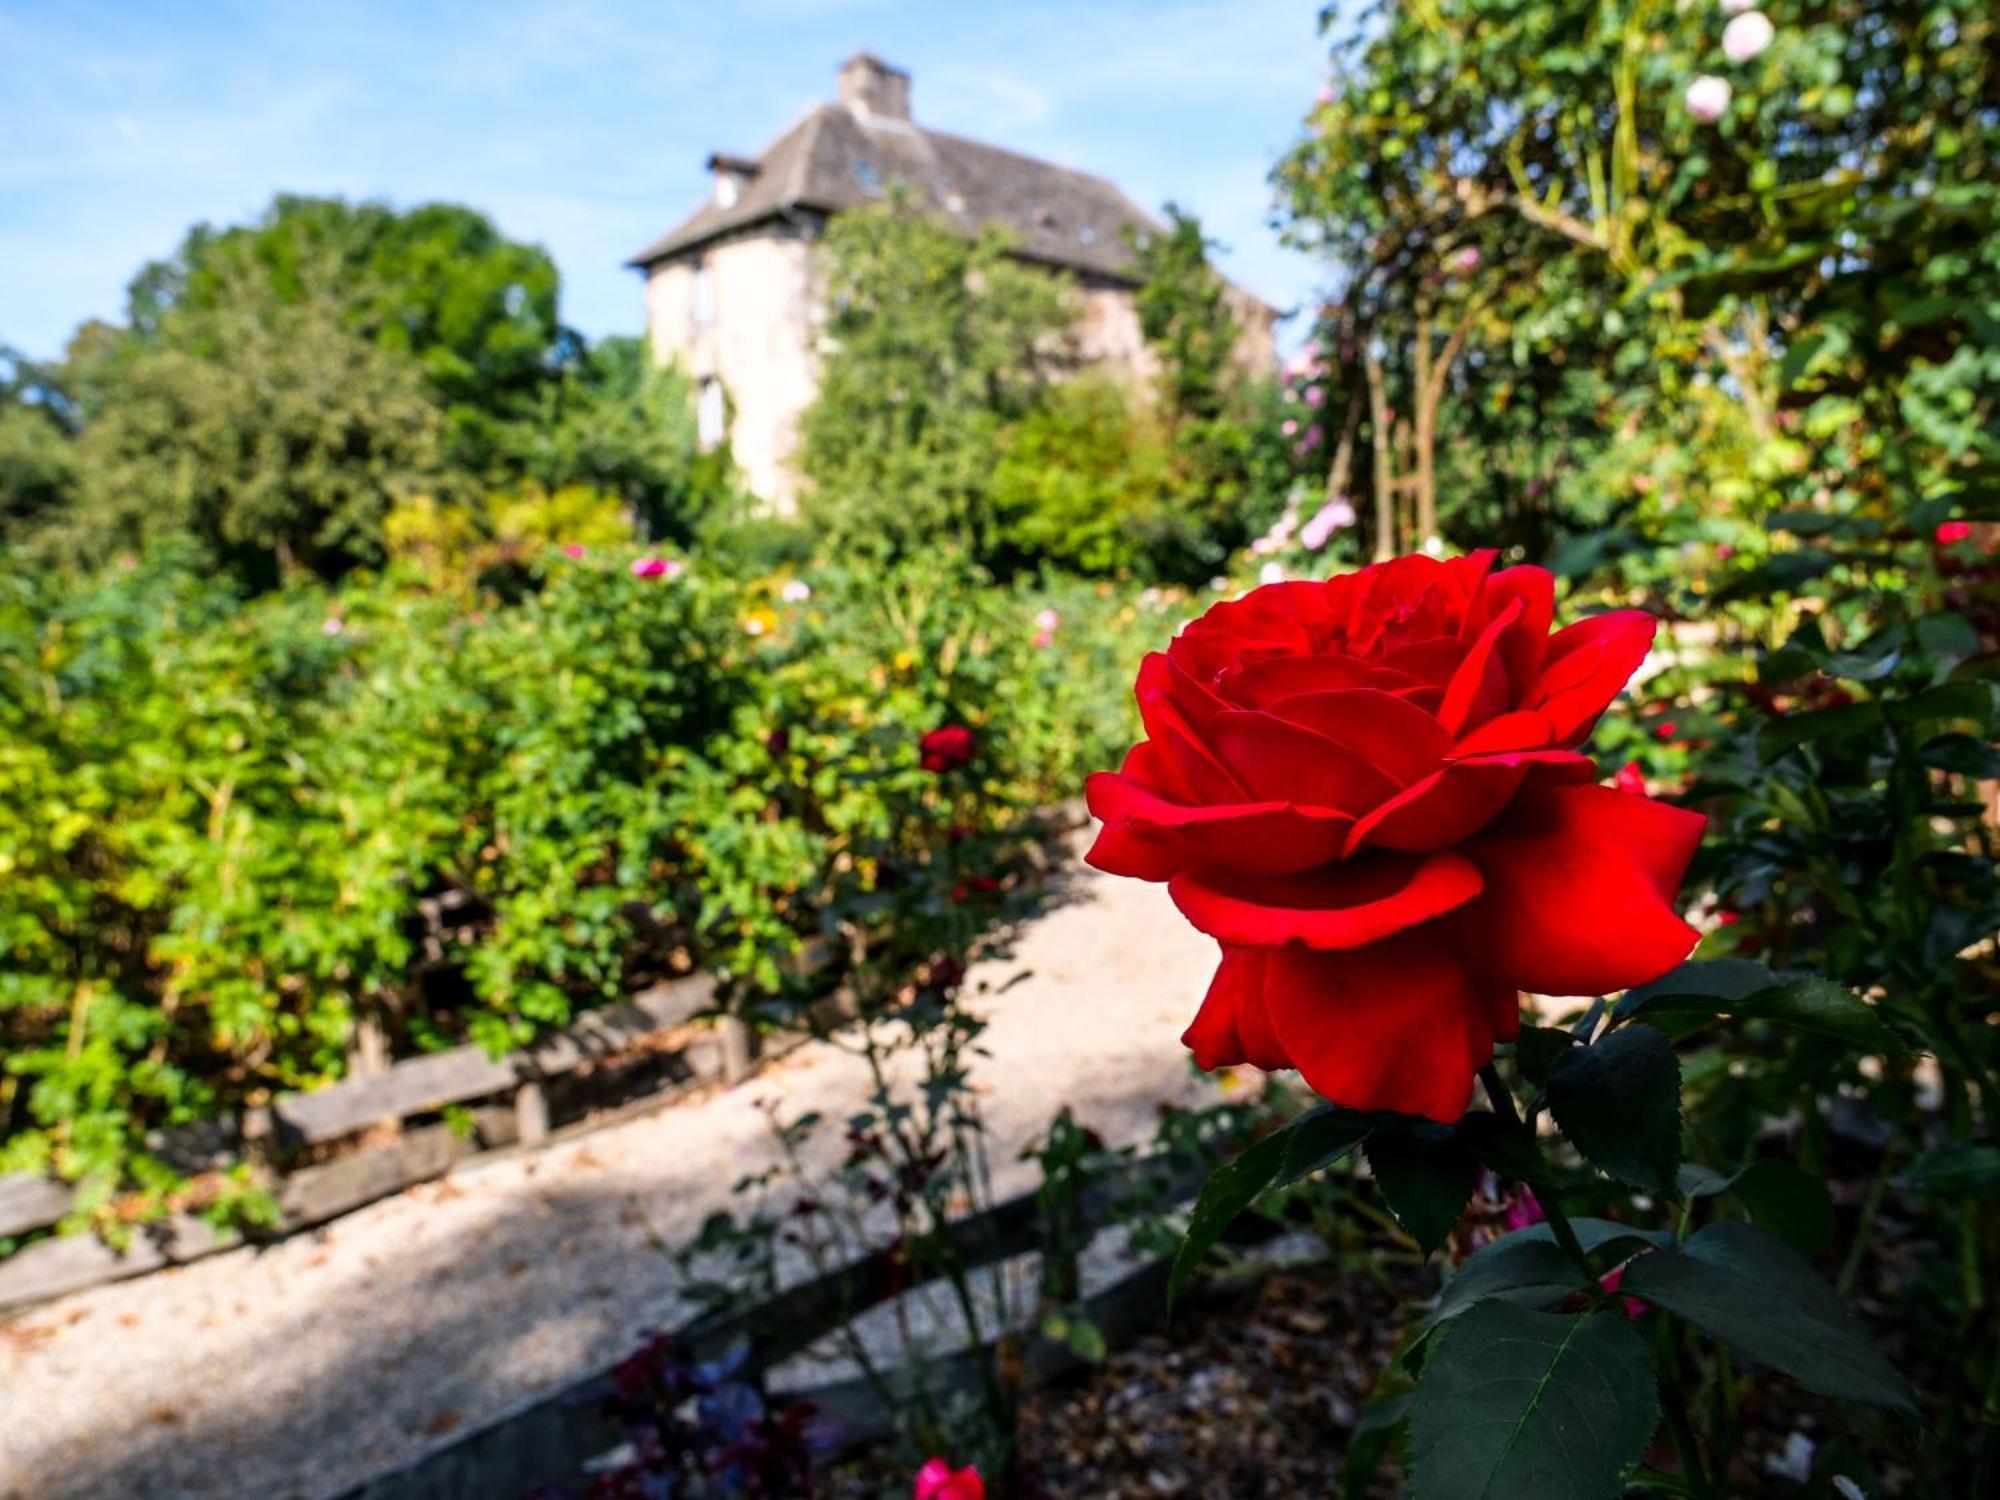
(1950, 532)
(938, 1480)
(657, 567)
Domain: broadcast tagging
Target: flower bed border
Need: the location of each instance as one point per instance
(512, 1116)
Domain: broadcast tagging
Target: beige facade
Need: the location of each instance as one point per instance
(741, 317)
(733, 295)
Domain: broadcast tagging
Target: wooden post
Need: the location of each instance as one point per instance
(739, 1048)
(531, 1113)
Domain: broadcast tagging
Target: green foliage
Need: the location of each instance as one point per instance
(1521, 1405)
(232, 829)
(938, 342)
(438, 283)
(281, 455)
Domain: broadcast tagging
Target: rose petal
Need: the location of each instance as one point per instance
(1523, 729)
(1402, 1025)
(1459, 799)
(1525, 644)
(1262, 683)
(1478, 688)
(1271, 838)
(1390, 733)
(1578, 885)
(1586, 666)
(1342, 906)
(1278, 761)
(1233, 1025)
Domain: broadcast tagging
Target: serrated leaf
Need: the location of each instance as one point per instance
(1426, 1173)
(1502, 1146)
(1536, 1050)
(1790, 1203)
(1817, 1006)
(1619, 1102)
(1709, 978)
(1529, 1270)
(1748, 1289)
(1520, 1405)
(1313, 1140)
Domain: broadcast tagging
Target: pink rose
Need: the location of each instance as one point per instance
(938, 1480)
(1707, 98)
(1950, 532)
(1747, 36)
(573, 549)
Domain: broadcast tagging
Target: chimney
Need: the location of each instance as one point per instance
(869, 86)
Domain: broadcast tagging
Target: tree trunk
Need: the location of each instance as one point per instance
(1385, 475)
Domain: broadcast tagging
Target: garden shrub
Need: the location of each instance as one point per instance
(233, 828)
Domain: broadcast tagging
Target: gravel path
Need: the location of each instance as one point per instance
(292, 1372)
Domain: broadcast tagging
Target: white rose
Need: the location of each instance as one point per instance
(1747, 36)
(1707, 98)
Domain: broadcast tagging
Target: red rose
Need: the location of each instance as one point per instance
(938, 1480)
(947, 749)
(1949, 533)
(1368, 791)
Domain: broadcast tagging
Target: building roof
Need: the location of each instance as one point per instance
(838, 157)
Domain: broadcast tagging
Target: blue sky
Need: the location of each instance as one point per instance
(583, 124)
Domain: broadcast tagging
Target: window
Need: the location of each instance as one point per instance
(725, 190)
(704, 295)
(710, 414)
(865, 175)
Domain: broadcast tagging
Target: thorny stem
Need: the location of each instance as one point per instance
(1558, 1221)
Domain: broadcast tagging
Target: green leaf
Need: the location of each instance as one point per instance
(1619, 1102)
(1537, 1050)
(1304, 1145)
(1711, 978)
(1369, 1445)
(1426, 1172)
(1746, 1288)
(1955, 1170)
(1961, 753)
(1527, 1269)
(1792, 1204)
(1817, 1006)
(1520, 1405)
(1503, 1146)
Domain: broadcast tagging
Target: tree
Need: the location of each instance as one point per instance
(1541, 231)
(937, 343)
(37, 421)
(282, 455)
(1184, 314)
(438, 283)
(610, 419)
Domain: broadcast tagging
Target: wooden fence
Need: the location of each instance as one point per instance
(506, 1104)
(512, 1111)
(549, 1440)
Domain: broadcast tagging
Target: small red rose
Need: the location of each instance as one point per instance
(947, 748)
(1368, 790)
(938, 1480)
(1951, 532)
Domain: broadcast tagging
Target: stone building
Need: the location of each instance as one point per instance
(731, 292)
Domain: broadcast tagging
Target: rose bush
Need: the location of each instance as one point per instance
(1369, 791)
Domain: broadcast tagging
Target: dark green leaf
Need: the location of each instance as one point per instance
(1792, 1204)
(1233, 1186)
(1746, 1288)
(1958, 1170)
(1812, 1005)
(1537, 1049)
(1527, 1269)
(1502, 1146)
(1520, 1405)
(1964, 754)
(1369, 1445)
(1426, 1172)
(1713, 978)
(1619, 1102)
(1797, 729)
